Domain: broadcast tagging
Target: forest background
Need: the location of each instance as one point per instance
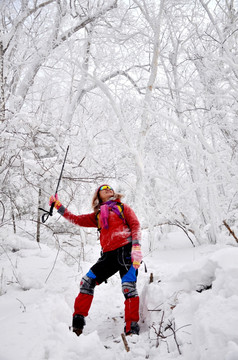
(145, 94)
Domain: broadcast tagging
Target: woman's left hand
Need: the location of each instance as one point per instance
(136, 256)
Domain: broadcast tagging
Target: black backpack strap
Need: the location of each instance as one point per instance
(97, 219)
(121, 208)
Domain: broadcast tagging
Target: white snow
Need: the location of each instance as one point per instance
(38, 287)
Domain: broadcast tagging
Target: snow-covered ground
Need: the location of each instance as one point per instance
(189, 311)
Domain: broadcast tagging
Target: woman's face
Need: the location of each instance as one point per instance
(106, 193)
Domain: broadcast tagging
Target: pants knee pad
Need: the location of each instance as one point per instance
(129, 289)
(87, 285)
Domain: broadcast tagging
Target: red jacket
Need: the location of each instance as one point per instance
(118, 234)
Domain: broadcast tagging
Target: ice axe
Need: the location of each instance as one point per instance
(50, 213)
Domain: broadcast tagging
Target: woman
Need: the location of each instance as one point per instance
(120, 241)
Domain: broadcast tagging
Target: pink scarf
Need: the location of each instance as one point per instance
(104, 212)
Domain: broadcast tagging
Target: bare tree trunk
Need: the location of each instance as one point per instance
(38, 217)
(146, 118)
(2, 95)
(12, 214)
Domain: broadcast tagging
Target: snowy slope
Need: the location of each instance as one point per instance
(38, 288)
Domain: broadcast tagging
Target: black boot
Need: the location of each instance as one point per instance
(134, 329)
(78, 324)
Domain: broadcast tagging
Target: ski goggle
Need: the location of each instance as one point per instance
(104, 187)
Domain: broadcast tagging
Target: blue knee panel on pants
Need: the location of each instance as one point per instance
(91, 275)
(130, 275)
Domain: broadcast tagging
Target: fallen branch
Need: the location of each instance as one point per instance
(230, 231)
(125, 342)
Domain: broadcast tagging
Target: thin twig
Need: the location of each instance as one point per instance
(24, 307)
(160, 327)
(13, 268)
(3, 211)
(53, 265)
(230, 231)
(171, 326)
